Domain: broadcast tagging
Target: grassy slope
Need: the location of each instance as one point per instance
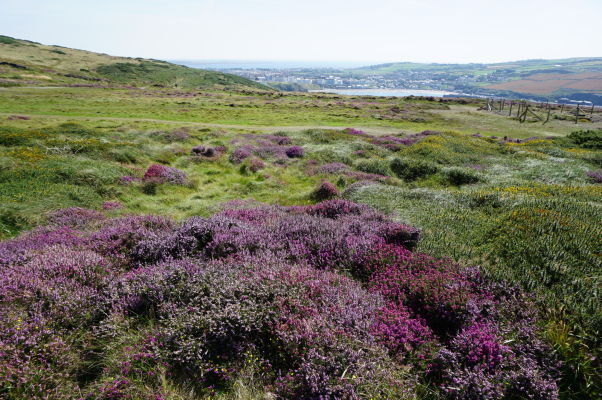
(56, 65)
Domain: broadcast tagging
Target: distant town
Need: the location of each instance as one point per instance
(345, 79)
(479, 80)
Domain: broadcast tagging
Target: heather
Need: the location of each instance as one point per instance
(320, 301)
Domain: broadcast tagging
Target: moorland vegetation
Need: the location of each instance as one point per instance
(232, 242)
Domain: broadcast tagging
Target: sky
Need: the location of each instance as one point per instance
(374, 31)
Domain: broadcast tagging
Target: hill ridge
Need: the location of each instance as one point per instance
(27, 63)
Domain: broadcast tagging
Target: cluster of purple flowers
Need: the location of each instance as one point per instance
(389, 142)
(202, 151)
(266, 147)
(207, 151)
(595, 176)
(111, 205)
(158, 173)
(328, 300)
(127, 180)
(355, 132)
(325, 191)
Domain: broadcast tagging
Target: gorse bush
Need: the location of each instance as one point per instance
(589, 139)
(321, 301)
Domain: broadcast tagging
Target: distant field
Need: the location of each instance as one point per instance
(545, 84)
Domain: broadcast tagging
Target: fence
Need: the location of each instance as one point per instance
(523, 110)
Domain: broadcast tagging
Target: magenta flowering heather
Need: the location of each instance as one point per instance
(240, 154)
(75, 217)
(481, 345)
(203, 151)
(333, 168)
(163, 174)
(294, 152)
(356, 132)
(111, 205)
(595, 176)
(127, 179)
(399, 332)
(256, 164)
(324, 301)
(325, 191)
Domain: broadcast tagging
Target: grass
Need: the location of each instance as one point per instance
(262, 110)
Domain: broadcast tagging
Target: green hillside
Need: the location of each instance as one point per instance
(517, 68)
(573, 78)
(26, 63)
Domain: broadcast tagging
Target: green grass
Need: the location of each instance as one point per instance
(267, 111)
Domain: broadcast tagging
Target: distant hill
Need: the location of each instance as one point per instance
(26, 63)
(576, 78)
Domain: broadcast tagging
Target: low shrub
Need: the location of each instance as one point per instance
(411, 170)
(203, 151)
(374, 166)
(595, 176)
(325, 191)
(158, 173)
(588, 139)
(294, 152)
(240, 154)
(256, 164)
(461, 176)
(266, 290)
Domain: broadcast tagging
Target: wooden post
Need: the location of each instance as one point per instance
(577, 114)
(523, 112)
(510, 112)
(548, 118)
(535, 115)
(592, 110)
(523, 116)
(561, 108)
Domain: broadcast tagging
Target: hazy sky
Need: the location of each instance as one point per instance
(329, 30)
